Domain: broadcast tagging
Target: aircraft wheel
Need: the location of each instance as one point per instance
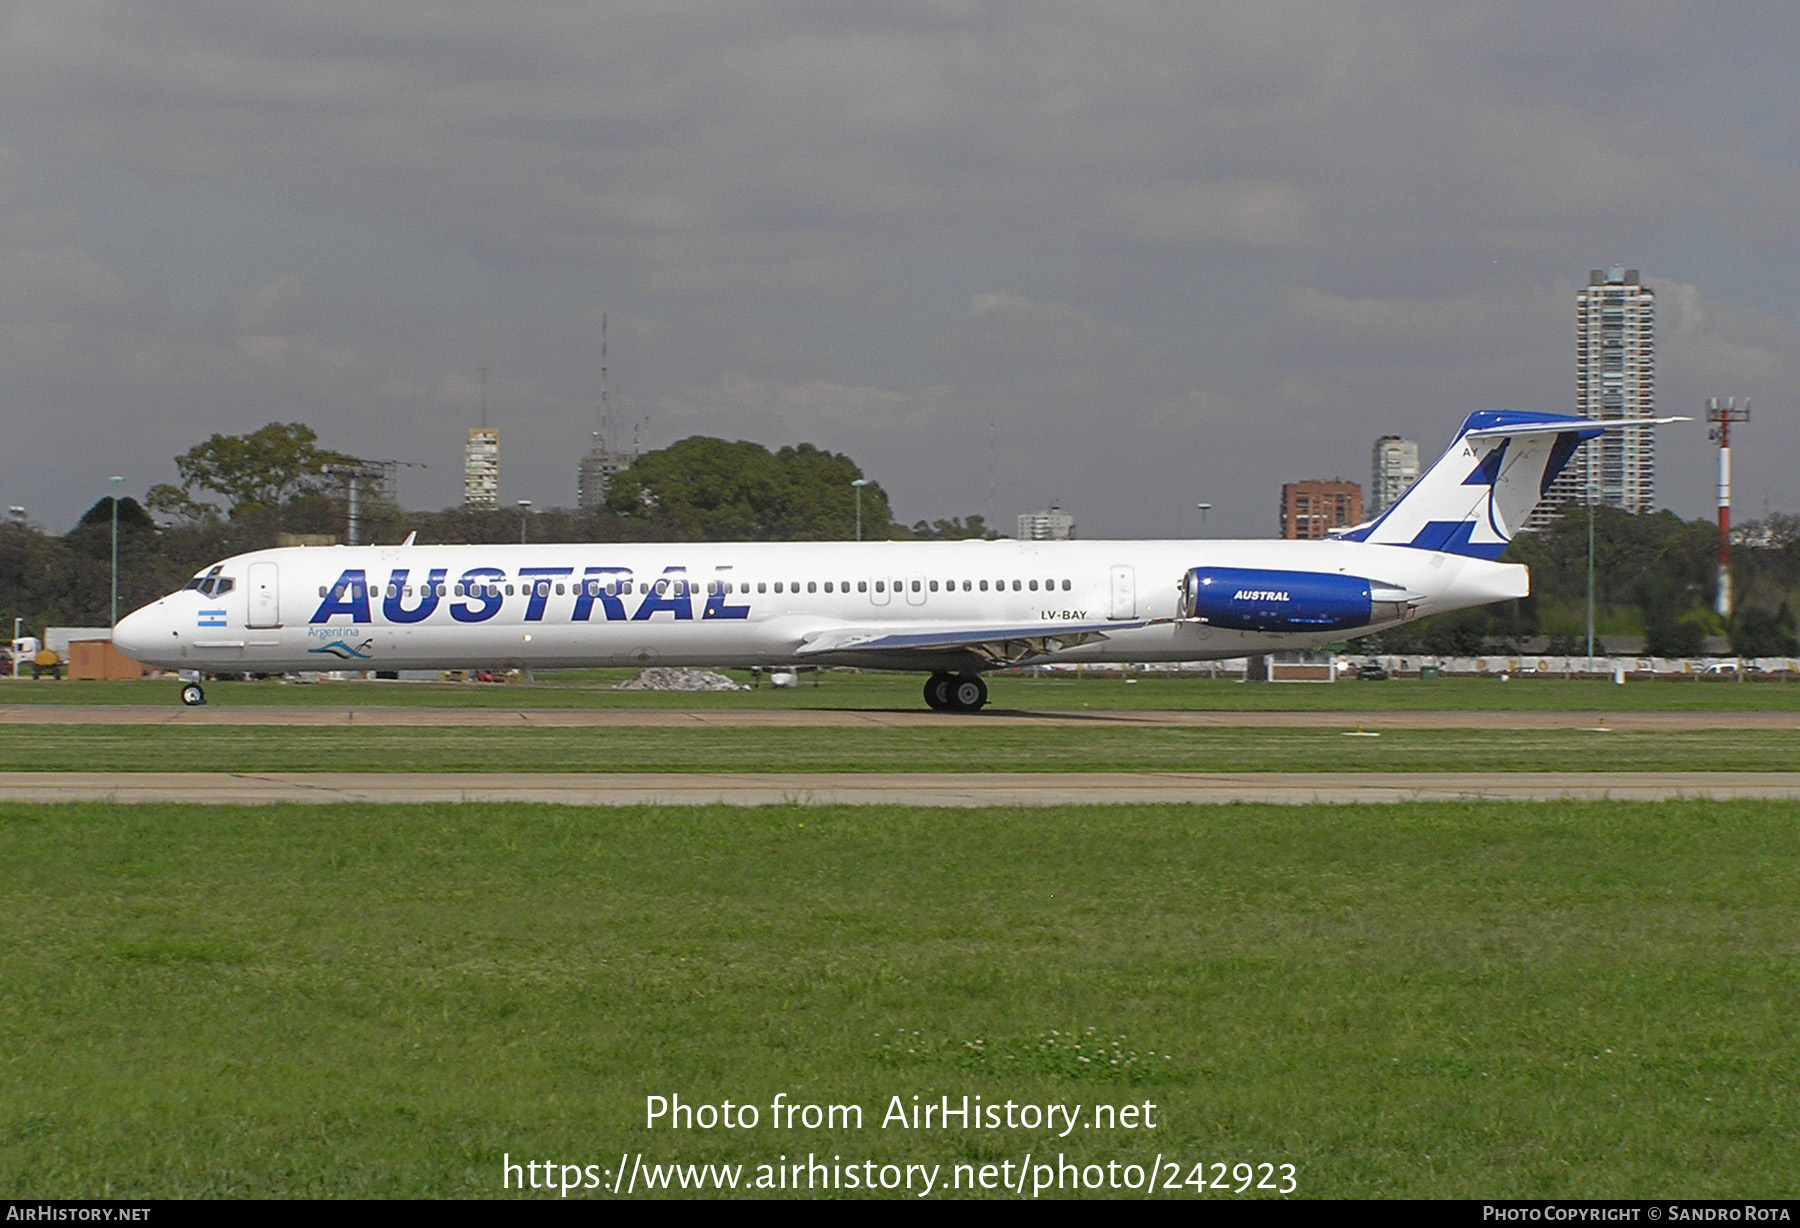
(937, 692)
(968, 693)
(192, 695)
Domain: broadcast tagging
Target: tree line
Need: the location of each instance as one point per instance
(249, 492)
(1655, 575)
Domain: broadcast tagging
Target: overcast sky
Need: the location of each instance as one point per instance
(1124, 256)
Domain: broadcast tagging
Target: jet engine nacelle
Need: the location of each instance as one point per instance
(1254, 599)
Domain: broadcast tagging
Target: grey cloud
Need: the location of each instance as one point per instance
(1149, 248)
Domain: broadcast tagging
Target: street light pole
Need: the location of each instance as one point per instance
(117, 479)
(524, 518)
(1590, 580)
(859, 483)
(1204, 508)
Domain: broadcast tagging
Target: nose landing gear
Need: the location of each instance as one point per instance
(192, 695)
(955, 693)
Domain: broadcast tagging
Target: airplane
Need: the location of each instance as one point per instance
(952, 610)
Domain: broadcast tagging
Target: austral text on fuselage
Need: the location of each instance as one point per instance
(480, 592)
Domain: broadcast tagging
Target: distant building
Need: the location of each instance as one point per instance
(598, 468)
(1615, 379)
(481, 469)
(1050, 525)
(1395, 469)
(1312, 509)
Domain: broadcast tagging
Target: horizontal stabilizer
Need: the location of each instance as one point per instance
(1561, 425)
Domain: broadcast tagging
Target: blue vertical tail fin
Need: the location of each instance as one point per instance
(1480, 491)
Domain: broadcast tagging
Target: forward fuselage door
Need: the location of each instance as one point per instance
(264, 596)
(1124, 593)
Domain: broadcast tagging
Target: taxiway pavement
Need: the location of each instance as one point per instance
(889, 788)
(840, 718)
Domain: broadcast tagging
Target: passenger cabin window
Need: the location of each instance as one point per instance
(933, 586)
(1017, 586)
(1034, 586)
(881, 586)
(915, 586)
(812, 586)
(984, 586)
(828, 586)
(1065, 586)
(862, 586)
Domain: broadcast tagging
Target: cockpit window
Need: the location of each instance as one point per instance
(210, 583)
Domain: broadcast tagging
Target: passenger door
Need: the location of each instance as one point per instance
(1124, 593)
(264, 597)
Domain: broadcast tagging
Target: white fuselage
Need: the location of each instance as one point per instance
(729, 604)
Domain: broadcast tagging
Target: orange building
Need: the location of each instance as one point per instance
(1312, 509)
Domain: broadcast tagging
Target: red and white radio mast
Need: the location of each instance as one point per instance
(1722, 412)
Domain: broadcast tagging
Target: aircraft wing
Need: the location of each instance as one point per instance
(1001, 645)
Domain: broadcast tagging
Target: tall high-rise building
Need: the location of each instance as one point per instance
(1615, 380)
(1395, 469)
(594, 478)
(481, 469)
(1312, 509)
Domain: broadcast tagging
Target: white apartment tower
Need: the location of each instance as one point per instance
(1395, 469)
(1052, 524)
(481, 469)
(1615, 380)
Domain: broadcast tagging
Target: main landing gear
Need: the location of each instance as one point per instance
(955, 692)
(192, 695)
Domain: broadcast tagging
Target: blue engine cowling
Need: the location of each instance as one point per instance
(1252, 599)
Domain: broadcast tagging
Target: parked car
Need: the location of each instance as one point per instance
(1372, 672)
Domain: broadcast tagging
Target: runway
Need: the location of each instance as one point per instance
(913, 789)
(843, 718)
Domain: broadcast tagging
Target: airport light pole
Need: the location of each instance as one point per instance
(1204, 508)
(524, 518)
(117, 479)
(859, 483)
(1590, 575)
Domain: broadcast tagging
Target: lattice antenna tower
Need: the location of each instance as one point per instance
(605, 405)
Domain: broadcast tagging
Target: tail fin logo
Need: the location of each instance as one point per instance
(1480, 491)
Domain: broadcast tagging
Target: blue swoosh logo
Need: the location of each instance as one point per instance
(345, 652)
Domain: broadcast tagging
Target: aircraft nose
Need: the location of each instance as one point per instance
(135, 636)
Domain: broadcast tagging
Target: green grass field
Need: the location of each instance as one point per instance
(997, 748)
(1482, 1000)
(593, 689)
